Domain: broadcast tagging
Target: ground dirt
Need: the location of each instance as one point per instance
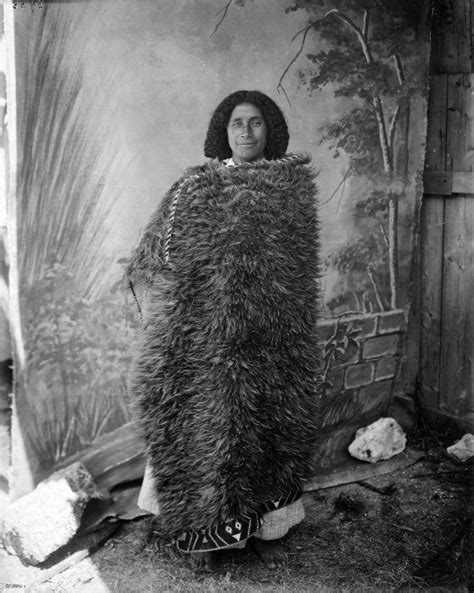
(407, 530)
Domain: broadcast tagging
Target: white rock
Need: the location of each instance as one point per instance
(380, 440)
(463, 449)
(42, 521)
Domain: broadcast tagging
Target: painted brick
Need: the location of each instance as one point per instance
(391, 322)
(386, 368)
(350, 356)
(381, 346)
(367, 324)
(326, 330)
(358, 375)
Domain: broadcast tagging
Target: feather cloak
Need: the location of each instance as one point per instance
(225, 382)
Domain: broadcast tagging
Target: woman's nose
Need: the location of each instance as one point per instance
(247, 130)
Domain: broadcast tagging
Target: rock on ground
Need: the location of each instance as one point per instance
(44, 520)
(380, 440)
(463, 449)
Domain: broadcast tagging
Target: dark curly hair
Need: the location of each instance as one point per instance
(216, 144)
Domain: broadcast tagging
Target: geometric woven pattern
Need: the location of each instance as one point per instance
(231, 532)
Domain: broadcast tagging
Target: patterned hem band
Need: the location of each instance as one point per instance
(232, 532)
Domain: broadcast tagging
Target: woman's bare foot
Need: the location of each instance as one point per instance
(203, 561)
(270, 551)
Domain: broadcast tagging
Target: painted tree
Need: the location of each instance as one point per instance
(365, 51)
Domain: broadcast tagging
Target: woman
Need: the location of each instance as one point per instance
(226, 379)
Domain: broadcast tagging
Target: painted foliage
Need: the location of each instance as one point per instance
(113, 104)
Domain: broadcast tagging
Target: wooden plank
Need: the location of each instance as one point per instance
(356, 471)
(451, 38)
(460, 149)
(114, 458)
(431, 240)
(432, 219)
(438, 183)
(463, 182)
(436, 133)
(457, 352)
(458, 263)
(446, 183)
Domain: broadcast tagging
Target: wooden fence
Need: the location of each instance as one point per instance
(447, 225)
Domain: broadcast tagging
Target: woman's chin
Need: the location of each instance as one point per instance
(248, 157)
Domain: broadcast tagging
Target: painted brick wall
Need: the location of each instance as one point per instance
(362, 355)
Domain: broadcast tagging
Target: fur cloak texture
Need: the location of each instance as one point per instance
(226, 378)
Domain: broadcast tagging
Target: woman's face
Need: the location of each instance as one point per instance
(247, 133)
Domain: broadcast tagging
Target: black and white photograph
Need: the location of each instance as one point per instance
(236, 296)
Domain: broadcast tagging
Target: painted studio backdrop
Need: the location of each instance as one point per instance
(113, 102)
